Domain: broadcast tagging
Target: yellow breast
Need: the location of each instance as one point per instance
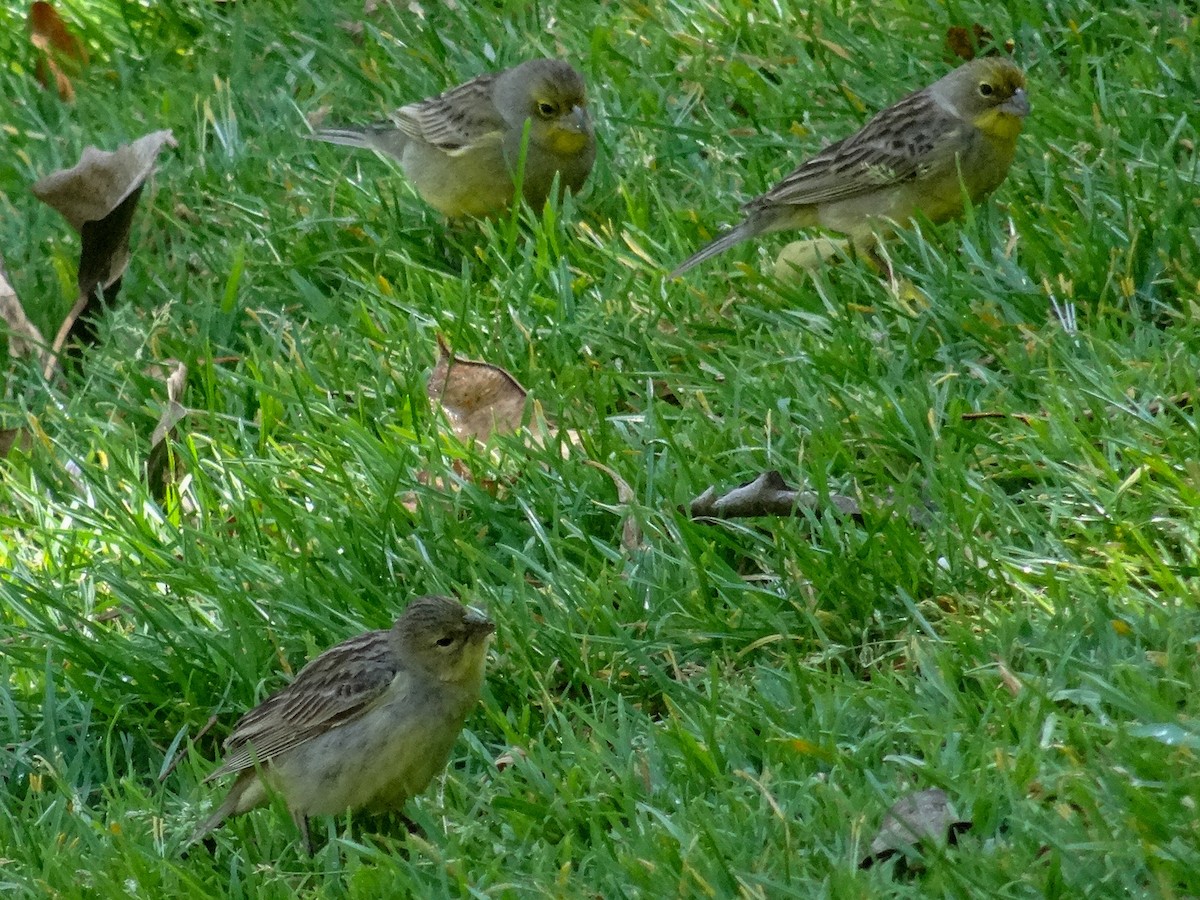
(998, 124)
(566, 143)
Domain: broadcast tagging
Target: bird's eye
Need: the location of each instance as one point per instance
(547, 109)
(986, 90)
(445, 642)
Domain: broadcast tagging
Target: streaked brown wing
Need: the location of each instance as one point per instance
(456, 120)
(888, 151)
(336, 687)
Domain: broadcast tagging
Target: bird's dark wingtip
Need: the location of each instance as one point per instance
(711, 249)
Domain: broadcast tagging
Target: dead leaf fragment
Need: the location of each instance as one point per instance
(916, 818)
(183, 749)
(967, 43)
(1184, 402)
(478, 398)
(98, 197)
(509, 758)
(96, 185)
(60, 53)
(1011, 683)
(766, 495)
(631, 532)
(1024, 418)
(23, 336)
(15, 437)
(161, 467)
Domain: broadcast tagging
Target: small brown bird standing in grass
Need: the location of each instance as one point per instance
(461, 149)
(917, 157)
(365, 725)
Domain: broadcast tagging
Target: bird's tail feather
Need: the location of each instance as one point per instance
(208, 825)
(346, 137)
(235, 802)
(720, 245)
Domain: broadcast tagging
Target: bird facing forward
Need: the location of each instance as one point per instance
(366, 725)
(463, 150)
(920, 156)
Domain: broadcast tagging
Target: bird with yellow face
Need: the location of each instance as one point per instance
(465, 150)
(950, 142)
(364, 726)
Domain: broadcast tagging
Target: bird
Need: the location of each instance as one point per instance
(465, 149)
(365, 725)
(923, 155)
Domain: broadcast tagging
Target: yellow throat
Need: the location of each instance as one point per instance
(566, 142)
(999, 124)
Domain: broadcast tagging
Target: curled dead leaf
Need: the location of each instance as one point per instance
(509, 758)
(967, 43)
(631, 532)
(1024, 418)
(1011, 683)
(766, 495)
(15, 437)
(922, 817)
(96, 185)
(161, 466)
(479, 399)
(98, 197)
(60, 53)
(23, 336)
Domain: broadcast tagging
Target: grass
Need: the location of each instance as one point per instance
(730, 709)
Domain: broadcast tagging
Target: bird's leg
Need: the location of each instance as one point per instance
(302, 824)
(799, 258)
(879, 261)
(411, 826)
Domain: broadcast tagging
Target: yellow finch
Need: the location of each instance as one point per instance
(365, 725)
(463, 149)
(921, 156)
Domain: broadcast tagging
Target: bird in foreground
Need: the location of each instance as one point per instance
(366, 725)
(462, 149)
(920, 156)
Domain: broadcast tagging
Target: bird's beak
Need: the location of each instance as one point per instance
(576, 121)
(478, 621)
(1018, 103)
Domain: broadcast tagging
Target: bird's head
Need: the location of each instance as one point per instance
(551, 95)
(445, 638)
(990, 93)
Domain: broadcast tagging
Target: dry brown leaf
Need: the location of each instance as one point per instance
(664, 393)
(967, 43)
(834, 48)
(1010, 681)
(15, 437)
(101, 180)
(61, 54)
(509, 758)
(631, 532)
(766, 495)
(98, 197)
(1184, 401)
(1156, 407)
(479, 399)
(1024, 418)
(23, 336)
(183, 749)
(161, 467)
(920, 817)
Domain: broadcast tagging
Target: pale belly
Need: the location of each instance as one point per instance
(376, 762)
